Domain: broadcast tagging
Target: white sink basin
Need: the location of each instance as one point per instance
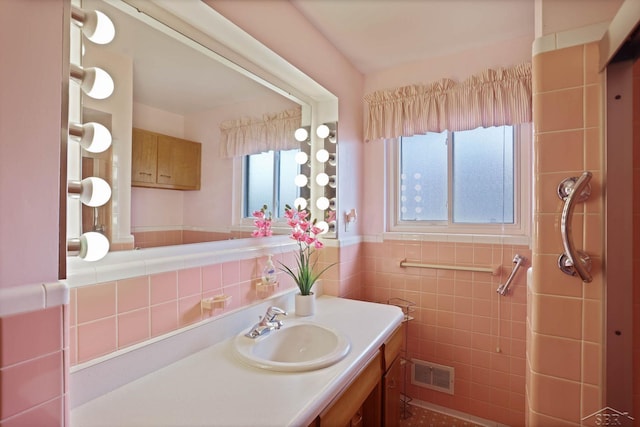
(297, 346)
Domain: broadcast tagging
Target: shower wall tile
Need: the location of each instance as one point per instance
(560, 151)
(559, 69)
(564, 109)
(565, 315)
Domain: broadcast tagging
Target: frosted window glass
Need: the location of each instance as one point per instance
(262, 186)
(483, 175)
(288, 171)
(260, 183)
(423, 178)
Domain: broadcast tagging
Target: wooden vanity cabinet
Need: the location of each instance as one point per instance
(163, 161)
(373, 397)
(392, 378)
(359, 402)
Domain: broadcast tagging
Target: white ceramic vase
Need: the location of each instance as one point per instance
(305, 304)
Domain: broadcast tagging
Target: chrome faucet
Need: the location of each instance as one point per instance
(268, 322)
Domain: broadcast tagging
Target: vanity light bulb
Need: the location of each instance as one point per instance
(95, 25)
(322, 179)
(91, 246)
(300, 203)
(95, 82)
(98, 27)
(322, 155)
(301, 157)
(322, 225)
(322, 203)
(301, 180)
(100, 86)
(93, 137)
(323, 131)
(92, 191)
(301, 134)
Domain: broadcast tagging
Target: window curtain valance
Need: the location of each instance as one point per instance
(492, 98)
(246, 135)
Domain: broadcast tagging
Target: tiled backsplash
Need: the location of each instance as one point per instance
(110, 316)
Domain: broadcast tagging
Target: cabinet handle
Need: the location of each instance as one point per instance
(357, 419)
(165, 176)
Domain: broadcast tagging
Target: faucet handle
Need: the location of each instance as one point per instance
(273, 312)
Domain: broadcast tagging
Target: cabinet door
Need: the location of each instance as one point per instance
(178, 163)
(144, 154)
(392, 381)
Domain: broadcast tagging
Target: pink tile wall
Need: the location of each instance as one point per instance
(106, 317)
(460, 320)
(565, 316)
(32, 381)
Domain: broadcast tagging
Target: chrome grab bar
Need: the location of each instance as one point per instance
(573, 190)
(504, 288)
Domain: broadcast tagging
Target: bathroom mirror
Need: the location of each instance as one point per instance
(168, 83)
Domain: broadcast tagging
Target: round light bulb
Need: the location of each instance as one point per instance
(95, 191)
(322, 203)
(97, 83)
(93, 246)
(300, 203)
(93, 137)
(98, 27)
(301, 180)
(322, 179)
(301, 157)
(323, 131)
(322, 155)
(301, 134)
(322, 225)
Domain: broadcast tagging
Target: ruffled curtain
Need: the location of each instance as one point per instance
(244, 136)
(492, 98)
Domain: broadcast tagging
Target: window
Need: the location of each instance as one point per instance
(269, 180)
(468, 181)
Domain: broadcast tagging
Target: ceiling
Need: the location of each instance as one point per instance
(379, 34)
(372, 34)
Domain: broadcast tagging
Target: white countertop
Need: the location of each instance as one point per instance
(213, 387)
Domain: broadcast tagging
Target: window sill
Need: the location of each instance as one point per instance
(459, 238)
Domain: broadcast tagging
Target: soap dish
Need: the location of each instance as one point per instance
(264, 290)
(216, 301)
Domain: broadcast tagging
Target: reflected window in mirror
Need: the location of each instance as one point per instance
(269, 180)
